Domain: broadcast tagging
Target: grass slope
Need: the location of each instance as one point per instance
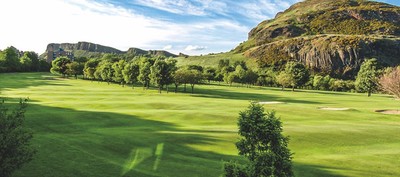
(211, 60)
(85, 128)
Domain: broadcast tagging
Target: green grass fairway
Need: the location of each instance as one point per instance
(84, 128)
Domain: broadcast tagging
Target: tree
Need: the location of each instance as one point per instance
(194, 77)
(284, 79)
(250, 77)
(35, 63)
(367, 77)
(162, 73)
(131, 73)
(9, 60)
(75, 69)
(15, 148)
(298, 72)
(90, 68)
(144, 73)
(263, 144)
(106, 71)
(390, 81)
(118, 67)
(59, 66)
(180, 77)
(25, 63)
(209, 73)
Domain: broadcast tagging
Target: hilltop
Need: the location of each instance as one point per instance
(329, 36)
(87, 49)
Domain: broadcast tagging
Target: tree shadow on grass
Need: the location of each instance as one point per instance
(228, 94)
(84, 143)
(24, 80)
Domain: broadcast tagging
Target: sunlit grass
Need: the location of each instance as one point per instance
(85, 128)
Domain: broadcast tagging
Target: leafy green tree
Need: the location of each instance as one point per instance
(250, 77)
(75, 69)
(367, 77)
(106, 71)
(298, 72)
(263, 144)
(162, 73)
(231, 77)
(59, 65)
(25, 63)
(209, 74)
(15, 148)
(240, 74)
(131, 73)
(35, 63)
(194, 77)
(284, 79)
(9, 60)
(90, 68)
(144, 73)
(180, 77)
(118, 68)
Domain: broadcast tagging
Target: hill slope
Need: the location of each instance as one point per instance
(87, 49)
(330, 36)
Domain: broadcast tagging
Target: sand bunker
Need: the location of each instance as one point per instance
(388, 111)
(333, 109)
(271, 102)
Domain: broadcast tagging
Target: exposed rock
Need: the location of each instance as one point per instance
(330, 36)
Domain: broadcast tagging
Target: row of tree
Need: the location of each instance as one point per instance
(12, 60)
(158, 72)
(161, 72)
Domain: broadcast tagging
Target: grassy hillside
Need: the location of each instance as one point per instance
(84, 128)
(211, 60)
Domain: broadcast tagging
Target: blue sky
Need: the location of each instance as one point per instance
(189, 26)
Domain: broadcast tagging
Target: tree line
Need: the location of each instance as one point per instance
(163, 72)
(12, 60)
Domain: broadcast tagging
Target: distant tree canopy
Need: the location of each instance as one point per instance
(11, 60)
(15, 148)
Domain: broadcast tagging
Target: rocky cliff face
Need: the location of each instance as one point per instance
(330, 36)
(86, 46)
(88, 49)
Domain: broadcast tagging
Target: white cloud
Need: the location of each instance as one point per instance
(173, 6)
(195, 48)
(167, 47)
(33, 24)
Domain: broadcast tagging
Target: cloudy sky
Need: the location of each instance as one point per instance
(188, 26)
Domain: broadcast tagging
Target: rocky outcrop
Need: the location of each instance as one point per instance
(85, 46)
(88, 49)
(329, 36)
(336, 55)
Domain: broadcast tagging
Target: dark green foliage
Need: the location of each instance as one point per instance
(263, 144)
(118, 68)
(15, 148)
(59, 66)
(296, 73)
(367, 77)
(144, 72)
(9, 60)
(75, 69)
(131, 73)
(90, 68)
(162, 73)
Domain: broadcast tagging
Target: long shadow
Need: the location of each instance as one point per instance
(85, 143)
(228, 94)
(24, 80)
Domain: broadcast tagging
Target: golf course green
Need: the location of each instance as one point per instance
(85, 128)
